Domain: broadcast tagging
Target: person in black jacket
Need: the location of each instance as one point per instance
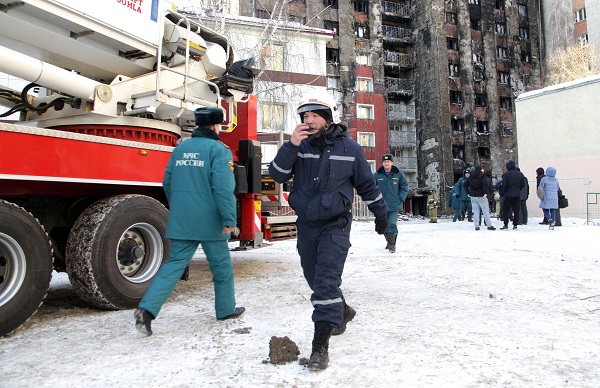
(524, 196)
(478, 188)
(512, 184)
(327, 166)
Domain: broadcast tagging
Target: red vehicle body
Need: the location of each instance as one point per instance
(81, 172)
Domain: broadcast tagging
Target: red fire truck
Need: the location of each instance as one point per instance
(117, 84)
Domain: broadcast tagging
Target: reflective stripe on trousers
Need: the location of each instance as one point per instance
(323, 248)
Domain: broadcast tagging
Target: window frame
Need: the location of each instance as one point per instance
(271, 61)
(369, 136)
(370, 108)
(368, 82)
(280, 113)
(367, 59)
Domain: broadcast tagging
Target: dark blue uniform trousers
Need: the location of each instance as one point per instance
(323, 248)
(181, 253)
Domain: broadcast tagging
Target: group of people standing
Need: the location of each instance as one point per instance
(473, 193)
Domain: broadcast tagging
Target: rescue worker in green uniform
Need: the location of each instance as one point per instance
(199, 185)
(394, 188)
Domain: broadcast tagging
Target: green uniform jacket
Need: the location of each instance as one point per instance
(199, 185)
(394, 188)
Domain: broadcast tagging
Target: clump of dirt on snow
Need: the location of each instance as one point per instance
(282, 350)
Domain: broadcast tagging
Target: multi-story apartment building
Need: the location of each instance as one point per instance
(579, 22)
(431, 81)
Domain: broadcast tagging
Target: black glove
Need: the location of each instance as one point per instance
(381, 225)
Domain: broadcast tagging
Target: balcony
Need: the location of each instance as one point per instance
(400, 113)
(406, 164)
(403, 139)
(397, 35)
(400, 86)
(392, 9)
(393, 58)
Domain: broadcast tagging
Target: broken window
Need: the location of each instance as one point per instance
(453, 70)
(451, 18)
(361, 6)
(332, 55)
(452, 44)
(361, 32)
(477, 74)
(331, 3)
(480, 99)
(525, 56)
(457, 124)
(499, 4)
(524, 33)
(365, 139)
(475, 24)
(484, 153)
(458, 151)
(477, 58)
(580, 15)
(482, 128)
(333, 26)
(503, 77)
(502, 53)
(500, 28)
(506, 103)
(522, 10)
(583, 40)
(455, 97)
(506, 129)
(474, 2)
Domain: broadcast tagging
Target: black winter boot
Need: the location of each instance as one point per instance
(320, 345)
(143, 321)
(387, 239)
(349, 314)
(393, 242)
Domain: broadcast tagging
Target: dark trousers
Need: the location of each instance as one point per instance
(323, 248)
(514, 204)
(523, 215)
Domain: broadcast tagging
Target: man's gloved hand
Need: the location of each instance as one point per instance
(381, 225)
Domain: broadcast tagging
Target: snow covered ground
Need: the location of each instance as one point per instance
(451, 308)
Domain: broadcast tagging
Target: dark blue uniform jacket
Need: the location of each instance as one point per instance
(325, 172)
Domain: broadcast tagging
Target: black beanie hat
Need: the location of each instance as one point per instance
(325, 113)
(207, 116)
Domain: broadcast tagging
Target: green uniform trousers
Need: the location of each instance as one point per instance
(181, 253)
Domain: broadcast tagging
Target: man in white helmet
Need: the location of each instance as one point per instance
(326, 166)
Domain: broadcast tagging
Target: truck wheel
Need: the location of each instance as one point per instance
(25, 266)
(115, 248)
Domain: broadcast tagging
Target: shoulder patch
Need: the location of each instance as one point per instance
(223, 144)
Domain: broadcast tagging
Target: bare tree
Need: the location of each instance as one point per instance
(571, 63)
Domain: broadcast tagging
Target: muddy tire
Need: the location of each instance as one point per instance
(25, 266)
(115, 249)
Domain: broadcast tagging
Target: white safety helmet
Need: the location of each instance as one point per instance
(319, 100)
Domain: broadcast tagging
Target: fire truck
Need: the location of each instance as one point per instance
(113, 88)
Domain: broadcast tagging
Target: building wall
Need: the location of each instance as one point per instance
(472, 43)
(551, 135)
